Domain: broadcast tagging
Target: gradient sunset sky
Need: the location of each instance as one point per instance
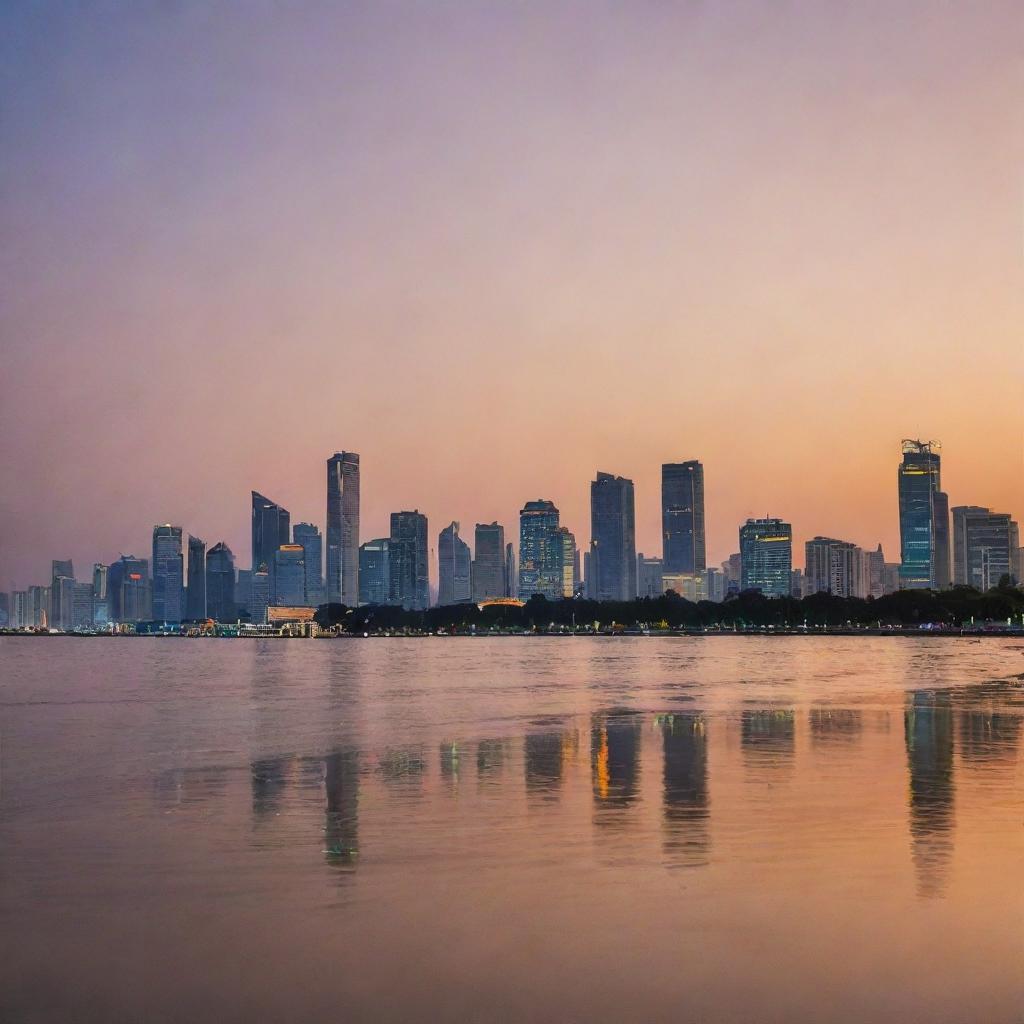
(494, 248)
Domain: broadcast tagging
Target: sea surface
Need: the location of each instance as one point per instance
(722, 829)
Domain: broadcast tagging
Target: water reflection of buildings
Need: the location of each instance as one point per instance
(490, 760)
(929, 738)
(615, 758)
(341, 814)
(545, 756)
(268, 778)
(834, 725)
(768, 738)
(449, 755)
(687, 839)
(989, 726)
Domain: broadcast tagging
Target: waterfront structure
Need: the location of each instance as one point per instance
(220, 584)
(129, 591)
(766, 556)
(288, 582)
(375, 572)
(310, 538)
(195, 594)
(489, 571)
(918, 481)
(985, 545)
(81, 606)
(168, 573)
(648, 576)
(271, 527)
(343, 528)
(613, 538)
(511, 574)
(682, 518)
(540, 551)
(409, 560)
(454, 567)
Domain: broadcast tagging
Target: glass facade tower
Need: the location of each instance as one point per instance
(918, 480)
(766, 556)
(613, 538)
(540, 551)
(489, 562)
(343, 529)
(195, 597)
(220, 584)
(682, 518)
(311, 540)
(454, 567)
(409, 559)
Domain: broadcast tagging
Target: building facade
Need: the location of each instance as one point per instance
(766, 556)
(682, 518)
(168, 574)
(613, 538)
(918, 481)
(489, 574)
(409, 558)
(648, 576)
(271, 527)
(985, 545)
(309, 536)
(375, 572)
(220, 584)
(454, 567)
(343, 529)
(541, 550)
(195, 594)
(289, 577)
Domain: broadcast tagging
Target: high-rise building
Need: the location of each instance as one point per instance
(259, 595)
(243, 593)
(876, 572)
(489, 562)
(343, 529)
(100, 594)
(195, 596)
(271, 527)
(220, 584)
(37, 611)
(375, 572)
(129, 591)
(454, 567)
(891, 580)
(766, 556)
(985, 546)
(714, 584)
(832, 567)
(682, 518)
(511, 573)
(409, 560)
(648, 576)
(17, 614)
(61, 593)
(567, 554)
(311, 540)
(168, 574)
(540, 551)
(918, 480)
(796, 584)
(289, 578)
(613, 538)
(732, 570)
(942, 576)
(81, 606)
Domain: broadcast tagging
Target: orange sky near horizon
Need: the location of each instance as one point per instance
(494, 250)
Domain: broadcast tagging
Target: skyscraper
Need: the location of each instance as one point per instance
(289, 580)
(511, 574)
(195, 597)
(454, 566)
(60, 611)
(311, 540)
(540, 551)
(271, 527)
(682, 518)
(566, 556)
(168, 574)
(918, 480)
(613, 538)
(766, 556)
(409, 560)
(984, 546)
(942, 576)
(375, 572)
(259, 595)
(220, 583)
(128, 589)
(489, 562)
(831, 567)
(343, 529)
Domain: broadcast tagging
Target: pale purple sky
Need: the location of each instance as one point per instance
(495, 248)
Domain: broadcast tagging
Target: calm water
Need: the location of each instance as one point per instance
(723, 829)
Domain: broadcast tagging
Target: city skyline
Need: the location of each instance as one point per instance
(197, 290)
